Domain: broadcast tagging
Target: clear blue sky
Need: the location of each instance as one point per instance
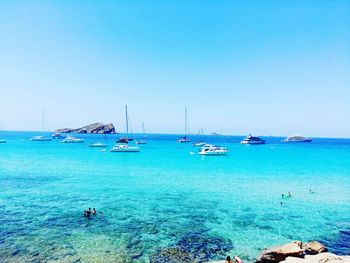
(266, 67)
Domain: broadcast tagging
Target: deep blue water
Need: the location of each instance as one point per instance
(166, 200)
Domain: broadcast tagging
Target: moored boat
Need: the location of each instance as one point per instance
(185, 139)
(40, 138)
(213, 151)
(57, 135)
(122, 144)
(199, 144)
(252, 140)
(97, 144)
(297, 138)
(71, 139)
(125, 148)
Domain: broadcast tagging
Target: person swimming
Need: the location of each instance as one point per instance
(228, 259)
(237, 259)
(289, 194)
(93, 211)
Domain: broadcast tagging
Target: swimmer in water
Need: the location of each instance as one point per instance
(237, 259)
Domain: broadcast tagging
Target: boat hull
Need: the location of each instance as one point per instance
(253, 142)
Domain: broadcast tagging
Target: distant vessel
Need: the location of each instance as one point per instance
(57, 135)
(41, 138)
(297, 138)
(185, 139)
(199, 144)
(142, 140)
(213, 150)
(122, 144)
(97, 144)
(2, 140)
(252, 140)
(71, 139)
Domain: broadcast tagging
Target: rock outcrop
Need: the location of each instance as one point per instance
(319, 258)
(294, 249)
(92, 128)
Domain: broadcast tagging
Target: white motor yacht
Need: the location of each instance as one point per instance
(71, 139)
(252, 140)
(297, 138)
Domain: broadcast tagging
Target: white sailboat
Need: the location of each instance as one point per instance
(41, 138)
(185, 139)
(123, 146)
(142, 140)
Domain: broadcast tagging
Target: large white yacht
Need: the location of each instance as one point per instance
(297, 138)
(252, 140)
(71, 139)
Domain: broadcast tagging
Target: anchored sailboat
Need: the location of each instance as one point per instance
(41, 138)
(142, 140)
(122, 144)
(185, 138)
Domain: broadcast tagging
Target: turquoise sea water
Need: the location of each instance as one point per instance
(165, 200)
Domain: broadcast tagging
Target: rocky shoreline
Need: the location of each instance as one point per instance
(297, 252)
(95, 128)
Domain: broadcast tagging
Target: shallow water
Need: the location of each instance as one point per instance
(165, 202)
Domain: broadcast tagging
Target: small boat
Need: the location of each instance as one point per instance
(252, 140)
(71, 139)
(2, 141)
(199, 144)
(125, 148)
(297, 138)
(40, 138)
(57, 135)
(97, 144)
(141, 142)
(124, 140)
(213, 151)
(185, 139)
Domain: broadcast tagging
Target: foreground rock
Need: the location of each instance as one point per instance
(97, 127)
(296, 249)
(319, 258)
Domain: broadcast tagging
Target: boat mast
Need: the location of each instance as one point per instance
(143, 128)
(185, 121)
(42, 119)
(126, 121)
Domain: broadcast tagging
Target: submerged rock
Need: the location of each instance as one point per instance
(92, 128)
(194, 247)
(171, 255)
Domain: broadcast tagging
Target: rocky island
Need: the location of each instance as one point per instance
(97, 127)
